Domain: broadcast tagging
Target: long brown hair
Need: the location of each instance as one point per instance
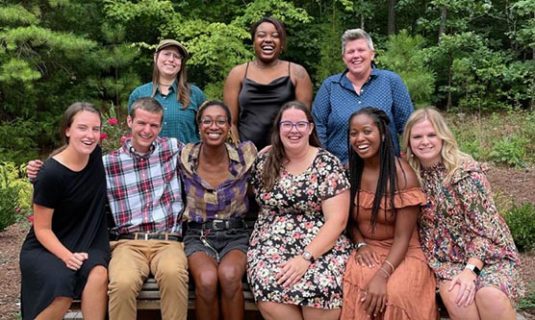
(277, 154)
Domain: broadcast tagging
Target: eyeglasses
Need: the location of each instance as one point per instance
(299, 125)
(220, 122)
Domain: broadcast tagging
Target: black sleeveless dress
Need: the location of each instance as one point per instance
(259, 104)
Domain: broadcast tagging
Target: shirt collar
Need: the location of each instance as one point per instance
(190, 157)
(172, 88)
(129, 149)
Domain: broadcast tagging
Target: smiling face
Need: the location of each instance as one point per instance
(364, 136)
(145, 127)
(292, 131)
(168, 61)
(425, 143)
(267, 42)
(358, 57)
(84, 132)
(214, 125)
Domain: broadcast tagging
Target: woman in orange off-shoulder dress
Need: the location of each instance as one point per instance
(387, 276)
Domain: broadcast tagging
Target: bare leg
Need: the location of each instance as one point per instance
(203, 268)
(95, 294)
(456, 312)
(492, 303)
(231, 270)
(277, 311)
(55, 310)
(321, 314)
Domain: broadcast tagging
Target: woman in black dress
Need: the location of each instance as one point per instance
(66, 252)
(255, 91)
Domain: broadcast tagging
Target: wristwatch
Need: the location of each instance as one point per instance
(473, 268)
(308, 256)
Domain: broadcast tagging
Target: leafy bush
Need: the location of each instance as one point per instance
(527, 302)
(19, 140)
(15, 194)
(520, 222)
(509, 151)
(113, 130)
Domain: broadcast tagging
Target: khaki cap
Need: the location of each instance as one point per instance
(165, 43)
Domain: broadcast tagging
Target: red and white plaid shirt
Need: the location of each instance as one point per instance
(144, 191)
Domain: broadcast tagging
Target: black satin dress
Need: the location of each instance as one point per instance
(259, 104)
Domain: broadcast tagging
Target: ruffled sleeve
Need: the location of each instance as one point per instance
(489, 238)
(405, 198)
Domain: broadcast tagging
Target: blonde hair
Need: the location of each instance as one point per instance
(452, 157)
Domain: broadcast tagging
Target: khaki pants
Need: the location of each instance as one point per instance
(131, 263)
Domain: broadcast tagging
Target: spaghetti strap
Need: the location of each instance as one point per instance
(246, 68)
(289, 64)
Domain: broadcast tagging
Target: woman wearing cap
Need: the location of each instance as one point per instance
(255, 91)
(170, 87)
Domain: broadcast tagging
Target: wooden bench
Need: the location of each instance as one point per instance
(149, 299)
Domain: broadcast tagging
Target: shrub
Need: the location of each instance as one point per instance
(15, 194)
(8, 206)
(19, 140)
(520, 222)
(509, 151)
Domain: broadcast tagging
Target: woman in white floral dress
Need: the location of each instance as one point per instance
(297, 253)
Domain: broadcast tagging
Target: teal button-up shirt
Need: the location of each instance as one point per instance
(178, 122)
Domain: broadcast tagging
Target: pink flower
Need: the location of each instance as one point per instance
(30, 218)
(103, 136)
(113, 121)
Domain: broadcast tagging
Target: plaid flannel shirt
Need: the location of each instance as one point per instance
(226, 201)
(144, 191)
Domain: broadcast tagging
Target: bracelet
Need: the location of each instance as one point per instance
(360, 245)
(391, 265)
(385, 272)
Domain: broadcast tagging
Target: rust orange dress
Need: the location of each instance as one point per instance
(411, 288)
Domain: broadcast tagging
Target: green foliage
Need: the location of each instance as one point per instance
(509, 151)
(19, 140)
(520, 221)
(528, 301)
(404, 56)
(505, 138)
(15, 194)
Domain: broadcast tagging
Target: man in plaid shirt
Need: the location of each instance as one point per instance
(145, 197)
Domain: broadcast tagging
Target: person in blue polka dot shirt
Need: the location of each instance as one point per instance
(360, 85)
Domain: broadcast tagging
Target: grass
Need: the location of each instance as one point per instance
(505, 138)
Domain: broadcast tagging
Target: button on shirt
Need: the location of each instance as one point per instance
(226, 201)
(336, 100)
(178, 122)
(144, 191)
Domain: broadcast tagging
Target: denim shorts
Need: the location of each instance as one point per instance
(215, 244)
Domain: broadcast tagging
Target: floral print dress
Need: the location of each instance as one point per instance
(460, 221)
(289, 219)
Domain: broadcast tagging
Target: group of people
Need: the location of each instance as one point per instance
(346, 228)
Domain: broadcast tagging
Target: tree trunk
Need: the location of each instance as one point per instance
(443, 17)
(391, 17)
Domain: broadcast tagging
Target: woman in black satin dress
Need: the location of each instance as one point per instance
(256, 90)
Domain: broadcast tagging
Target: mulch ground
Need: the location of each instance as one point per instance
(515, 184)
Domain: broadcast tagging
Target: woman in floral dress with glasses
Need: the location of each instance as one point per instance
(297, 252)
